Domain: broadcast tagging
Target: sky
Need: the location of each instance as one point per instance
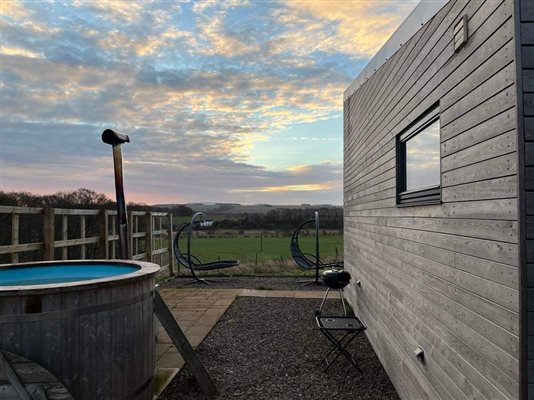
(223, 101)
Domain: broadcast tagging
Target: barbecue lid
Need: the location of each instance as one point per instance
(336, 278)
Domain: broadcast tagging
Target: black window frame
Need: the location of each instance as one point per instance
(421, 196)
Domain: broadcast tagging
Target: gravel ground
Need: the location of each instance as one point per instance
(270, 348)
(238, 282)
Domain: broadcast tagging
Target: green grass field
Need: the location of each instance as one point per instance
(273, 255)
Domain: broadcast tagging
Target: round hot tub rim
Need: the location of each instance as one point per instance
(144, 268)
(96, 336)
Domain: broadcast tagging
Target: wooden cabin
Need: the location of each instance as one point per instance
(439, 201)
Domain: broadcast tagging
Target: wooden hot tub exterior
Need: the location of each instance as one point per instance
(95, 336)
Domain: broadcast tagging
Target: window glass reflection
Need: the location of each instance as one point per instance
(423, 159)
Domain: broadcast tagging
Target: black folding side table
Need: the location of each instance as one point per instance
(349, 326)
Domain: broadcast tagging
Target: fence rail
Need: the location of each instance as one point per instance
(63, 234)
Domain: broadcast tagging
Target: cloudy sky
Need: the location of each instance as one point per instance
(225, 101)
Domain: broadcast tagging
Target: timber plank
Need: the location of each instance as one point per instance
(402, 60)
(118, 349)
(422, 60)
(529, 179)
(527, 33)
(51, 334)
(530, 203)
(528, 104)
(103, 337)
(482, 80)
(461, 99)
(528, 80)
(437, 318)
(89, 350)
(500, 188)
(495, 126)
(446, 295)
(446, 82)
(505, 209)
(527, 10)
(424, 90)
(484, 170)
(529, 153)
(497, 272)
(414, 59)
(500, 102)
(527, 56)
(504, 231)
(444, 277)
(529, 128)
(491, 148)
(70, 355)
(383, 344)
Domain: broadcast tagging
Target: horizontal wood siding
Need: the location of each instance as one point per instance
(525, 71)
(441, 277)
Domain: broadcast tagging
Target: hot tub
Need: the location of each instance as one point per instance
(91, 323)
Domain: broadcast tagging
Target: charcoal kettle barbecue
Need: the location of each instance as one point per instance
(335, 278)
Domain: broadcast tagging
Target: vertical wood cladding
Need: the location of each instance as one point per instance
(525, 32)
(442, 277)
(97, 339)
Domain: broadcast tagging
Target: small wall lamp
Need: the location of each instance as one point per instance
(460, 33)
(420, 354)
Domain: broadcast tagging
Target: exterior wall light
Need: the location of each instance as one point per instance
(420, 354)
(460, 33)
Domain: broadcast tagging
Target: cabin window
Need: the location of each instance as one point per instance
(419, 163)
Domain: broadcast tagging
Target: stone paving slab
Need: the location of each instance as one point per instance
(197, 311)
(253, 293)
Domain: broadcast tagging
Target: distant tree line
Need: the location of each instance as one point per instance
(284, 219)
(80, 198)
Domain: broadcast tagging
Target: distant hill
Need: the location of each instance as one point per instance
(240, 209)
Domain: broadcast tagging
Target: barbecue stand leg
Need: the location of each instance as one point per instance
(340, 345)
(348, 356)
(335, 347)
(343, 301)
(320, 310)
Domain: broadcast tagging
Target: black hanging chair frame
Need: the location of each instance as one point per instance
(310, 261)
(192, 262)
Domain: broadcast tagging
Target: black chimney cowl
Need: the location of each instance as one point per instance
(113, 138)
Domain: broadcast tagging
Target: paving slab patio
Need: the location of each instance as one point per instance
(197, 311)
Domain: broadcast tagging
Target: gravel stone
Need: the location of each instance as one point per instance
(270, 348)
(235, 282)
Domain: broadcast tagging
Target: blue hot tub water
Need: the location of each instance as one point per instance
(60, 273)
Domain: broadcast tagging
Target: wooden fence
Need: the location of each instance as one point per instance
(62, 234)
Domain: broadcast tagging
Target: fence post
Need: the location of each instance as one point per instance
(14, 236)
(104, 234)
(64, 236)
(48, 234)
(149, 233)
(82, 235)
(134, 220)
(171, 246)
(130, 233)
(114, 242)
